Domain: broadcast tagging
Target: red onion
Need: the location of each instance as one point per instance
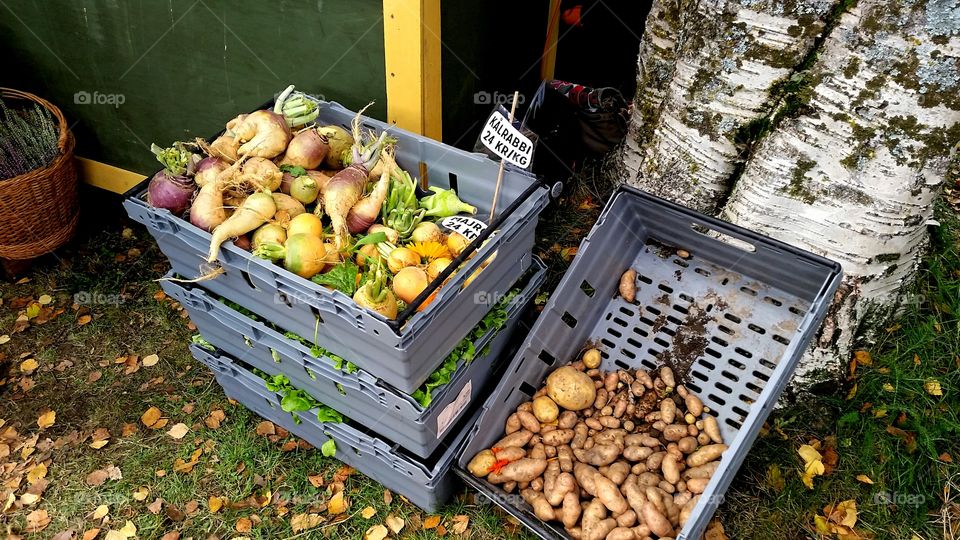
(171, 192)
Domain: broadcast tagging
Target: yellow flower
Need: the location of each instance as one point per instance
(430, 250)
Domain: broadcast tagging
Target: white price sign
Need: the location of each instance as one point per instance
(506, 141)
(469, 227)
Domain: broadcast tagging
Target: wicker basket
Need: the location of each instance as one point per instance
(39, 209)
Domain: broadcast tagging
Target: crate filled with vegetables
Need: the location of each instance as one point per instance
(308, 215)
(426, 482)
(644, 382)
(418, 422)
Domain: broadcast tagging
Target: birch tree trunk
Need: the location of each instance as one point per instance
(730, 56)
(855, 176)
(837, 142)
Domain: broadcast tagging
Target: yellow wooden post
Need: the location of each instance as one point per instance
(411, 42)
(549, 61)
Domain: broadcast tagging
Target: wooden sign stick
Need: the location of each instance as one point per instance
(496, 190)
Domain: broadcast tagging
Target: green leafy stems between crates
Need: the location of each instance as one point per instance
(294, 400)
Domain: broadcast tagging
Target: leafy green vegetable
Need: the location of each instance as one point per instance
(445, 203)
(374, 238)
(175, 159)
(342, 277)
(317, 351)
(465, 351)
(295, 400)
(294, 171)
(197, 339)
(329, 448)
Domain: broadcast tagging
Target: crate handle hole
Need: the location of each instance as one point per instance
(569, 319)
(316, 314)
(246, 277)
(527, 389)
(587, 289)
(732, 241)
(546, 358)
(453, 181)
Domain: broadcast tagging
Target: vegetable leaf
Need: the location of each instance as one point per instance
(329, 448)
(343, 277)
(294, 171)
(197, 339)
(374, 238)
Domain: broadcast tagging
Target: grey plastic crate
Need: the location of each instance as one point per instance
(427, 483)
(740, 318)
(360, 395)
(296, 304)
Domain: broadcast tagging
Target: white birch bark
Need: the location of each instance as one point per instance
(730, 55)
(654, 68)
(855, 177)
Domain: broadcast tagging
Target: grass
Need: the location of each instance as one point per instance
(767, 500)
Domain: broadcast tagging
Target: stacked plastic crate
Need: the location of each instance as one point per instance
(407, 390)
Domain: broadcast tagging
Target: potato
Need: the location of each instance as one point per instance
(703, 471)
(622, 532)
(565, 458)
(666, 375)
(557, 437)
(541, 507)
(567, 420)
(668, 411)
(617, 472)
(643, 376)
(511, 453)
(675, 432)
(627, 519)
(571, 389)
(482, 463)
(634, 494)
(601, 399)
(670, 468)
(647, 479)
(637, 453)
(610, 381)
(570, 509)
(529, 421)
(591, 359)
(610, 422)
(697, 485)
(522, 470)
(667, 487)
(513, 424)
(628, 285)
(519, 438)
(687, 509)
(694, 405)
(595, 525)
(608, 493)
(687, 444)
(656, 520)
(545, 410)
(580, 433)
(563, 484)
(593, 423)
(538, 451)
(654, 461)
(620, 408)
(706, 454)
(712, 429)
(599, 455)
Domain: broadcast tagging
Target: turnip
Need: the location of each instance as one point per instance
(346, 187)
(340, 141)
(263, 134)
(254, 212)
(401, 258)
(307, 149)
(269, 233)
(392, 236)
(409, 283)
(172, 188)
(227, 145)
(305, 224)
(296, 108)
(261, 174)
(304, 189)
(207, 210)
(305, 255)
(365, 212)
(208, 169)
(427, 232)
(374, 294)
(288, 205)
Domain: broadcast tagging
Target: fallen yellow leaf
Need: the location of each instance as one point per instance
(84, 320)
(244, 525)
(431, 522)
(395, 523)
(368, 512)
(813, 464)
(376, 532)
(887, 387)
(214, 504)
(37, 521)
(36, 473)
(141, 493)
(90, 534)
(864, 478)
(336, 505)
(44, 299)
(150, 360)
(4, 339)
(151, 417)
(47, 419)
(101, 511)
(303, 522)
(932, 386)
(460, 523)
(29, 365)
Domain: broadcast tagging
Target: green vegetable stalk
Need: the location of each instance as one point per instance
(296, 400)
(296, 108)
(178, 160)
(399, 210)
(445, 203)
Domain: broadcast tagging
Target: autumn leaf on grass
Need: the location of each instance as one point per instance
(864, 479)
(368, 512)
(141, 493)
(395, 523)
(839, 520)
(36, 473)
(376, 532)
(932, 386)
(243, 525)
(908, 438)
(129, 530)
(100, 512)
(214, 504)
(304, 522)
(178, 431)
(28, 366)
(150, 360)
(812, 464)
(266, 428)
(460, 524)
(337, 504)
(431, 522)
(152, 418)
(100, 438)
(217, 416)
(99, 476)
(37, 521)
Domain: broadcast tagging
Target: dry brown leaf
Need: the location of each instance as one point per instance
(214, 504)
(150, 360)
(303, 522)
(4, 339)
(84, 320)
(460, 524)
(101, 512)
(337, 505)
(68, 534)
(155, 506)
(140, 494)
(368, 512)
(715, 531)
(864, 478)
(100, 438)
(29, 365)
(192, 507)
(29, 499)
(178, 431)
(395, 523)
(97, 478)
(266, 428)
(376, 532)
(243, 525)
(387, 497)
(47, 419)
(151, 417)
(217, 416)
(172, 535)
(316, 480)
(90, 534)
(37, 521)
(431, 522)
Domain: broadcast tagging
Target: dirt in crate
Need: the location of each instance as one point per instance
(689, 342)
